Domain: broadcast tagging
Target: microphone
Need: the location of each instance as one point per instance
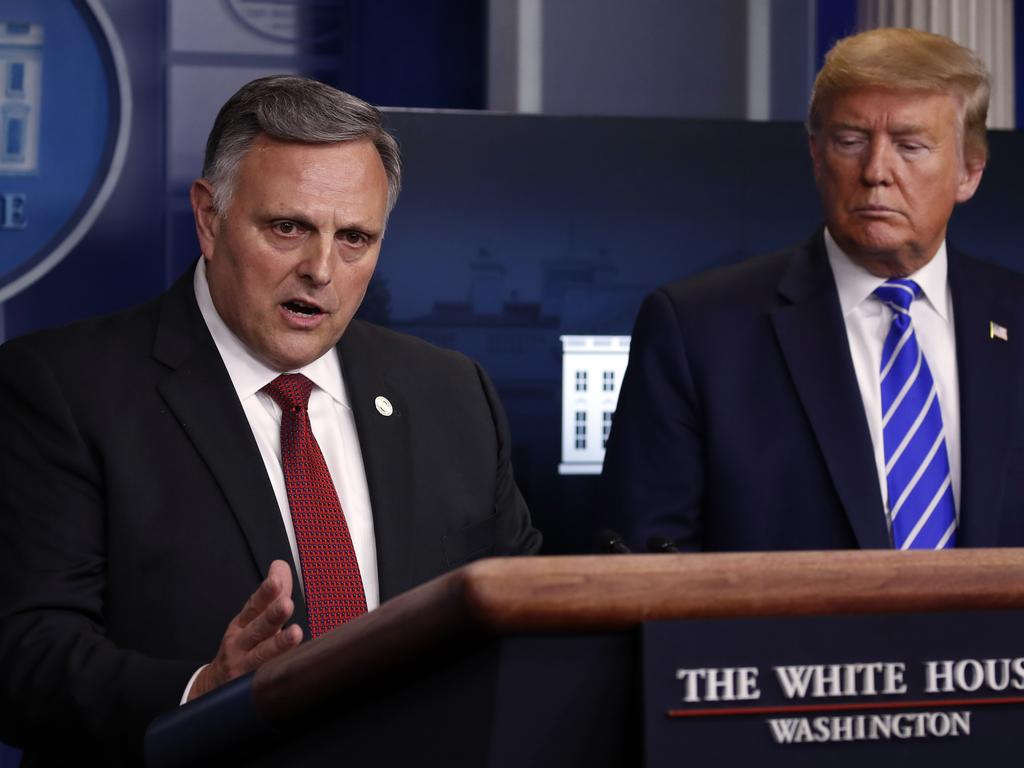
(661, 544)
(609, 542)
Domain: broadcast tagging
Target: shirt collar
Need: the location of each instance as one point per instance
(248, 374)
(855, 284)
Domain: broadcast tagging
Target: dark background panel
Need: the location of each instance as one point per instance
(513, 230)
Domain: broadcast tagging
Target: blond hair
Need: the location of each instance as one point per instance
(908, 60)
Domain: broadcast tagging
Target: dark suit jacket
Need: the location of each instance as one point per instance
(136, 516)
(740, 425)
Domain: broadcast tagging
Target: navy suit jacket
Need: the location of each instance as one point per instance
(740, 425)
(136, 516)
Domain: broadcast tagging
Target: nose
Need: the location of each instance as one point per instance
(877, 169)
(317, 264)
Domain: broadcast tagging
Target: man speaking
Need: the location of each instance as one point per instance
(863, 389)
(190, 488)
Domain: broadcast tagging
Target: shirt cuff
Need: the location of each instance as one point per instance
(191, 682)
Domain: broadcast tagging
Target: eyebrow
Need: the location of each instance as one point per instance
(306, 223)
(895, 130)
(299, 219)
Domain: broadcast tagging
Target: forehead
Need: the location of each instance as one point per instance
(349, 169)
(884, 109)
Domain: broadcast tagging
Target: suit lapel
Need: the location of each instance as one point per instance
(199, 393)
(810, 329)
(987, 379)
(387, 453)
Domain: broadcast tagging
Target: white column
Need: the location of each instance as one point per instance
(515, 55)
(759, 59)
(985, 26)
(531, 56)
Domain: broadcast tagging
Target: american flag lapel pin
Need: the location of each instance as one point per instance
(996, 331)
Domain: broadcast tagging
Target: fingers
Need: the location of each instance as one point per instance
(257, 634)
(275, 645)
(277, 583)
(266, 624)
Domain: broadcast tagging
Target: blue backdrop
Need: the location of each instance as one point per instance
(510, 231)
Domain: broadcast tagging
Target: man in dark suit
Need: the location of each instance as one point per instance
(795, 401)
(148, 486)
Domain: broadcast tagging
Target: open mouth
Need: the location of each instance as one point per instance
(300, 308)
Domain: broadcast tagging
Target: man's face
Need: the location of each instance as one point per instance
(889, 168)
(288, 262)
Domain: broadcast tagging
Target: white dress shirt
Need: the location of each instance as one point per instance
(868, 320)
(333, 426)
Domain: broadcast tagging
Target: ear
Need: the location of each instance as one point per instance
(207, 221)
(970, 178)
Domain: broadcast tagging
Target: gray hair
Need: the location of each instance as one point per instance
(292, 108)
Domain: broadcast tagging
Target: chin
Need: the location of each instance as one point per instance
(295, 352)
(282, 362)
(879, 250)
(887, 263)
(875, 243)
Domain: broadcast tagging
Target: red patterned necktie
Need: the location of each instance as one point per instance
(330, 572)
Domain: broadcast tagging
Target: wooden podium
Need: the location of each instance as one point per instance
(536, 661)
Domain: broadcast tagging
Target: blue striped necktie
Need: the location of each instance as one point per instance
(921, 504)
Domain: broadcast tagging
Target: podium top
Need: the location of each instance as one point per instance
(604, 593)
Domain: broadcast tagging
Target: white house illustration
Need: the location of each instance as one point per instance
(592, 369)
(21, 74)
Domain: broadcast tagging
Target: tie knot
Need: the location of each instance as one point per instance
(898, 294)
(290, 391)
